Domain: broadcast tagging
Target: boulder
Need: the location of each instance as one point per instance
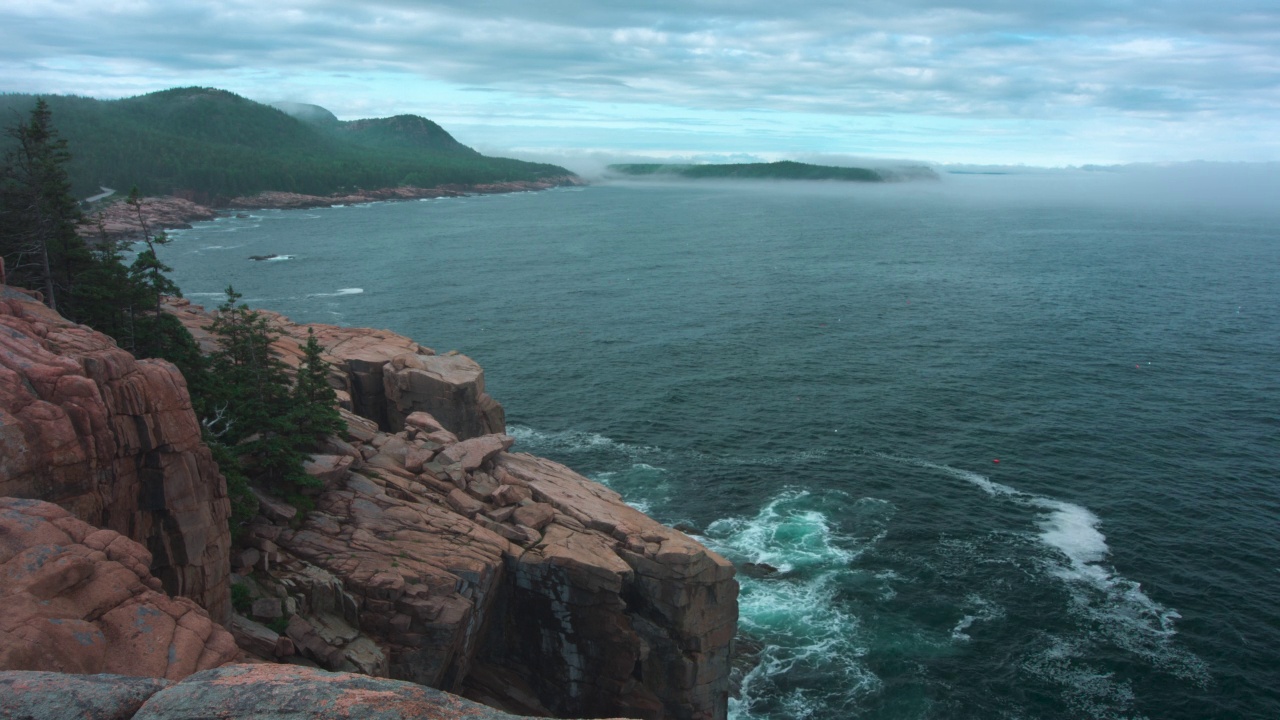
(423, 421)
(463, 503)
(60, 696)
(536, 516)
(254, 638)
(506, 495)
(448, 387)
(74, 598)
(473, 453)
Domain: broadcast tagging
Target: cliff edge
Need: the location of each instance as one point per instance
(114, 441)
(433, 554)
(436, 555)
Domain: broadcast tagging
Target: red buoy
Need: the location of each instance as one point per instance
(996, 460)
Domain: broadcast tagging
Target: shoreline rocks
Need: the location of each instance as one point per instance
(378, 374)
(433, 553)
(440, 555)
(172, 213)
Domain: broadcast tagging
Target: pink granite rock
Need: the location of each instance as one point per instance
(387, 377)
(74, 598)
(473, 453)
(114, 440)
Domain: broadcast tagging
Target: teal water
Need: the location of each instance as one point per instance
(820, 378)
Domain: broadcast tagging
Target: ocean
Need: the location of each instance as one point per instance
(998, 447)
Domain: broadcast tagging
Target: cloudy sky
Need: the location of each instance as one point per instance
(1040, 82)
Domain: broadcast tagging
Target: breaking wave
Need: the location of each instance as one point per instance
(794, 563)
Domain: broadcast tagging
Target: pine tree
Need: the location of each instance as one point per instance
(315, 405)
(38, 215)
(251, 391)
(107, 297)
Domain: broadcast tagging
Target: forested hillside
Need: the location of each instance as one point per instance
(208, 144)
(782, 170)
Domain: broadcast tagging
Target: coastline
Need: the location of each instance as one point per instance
(171, 212)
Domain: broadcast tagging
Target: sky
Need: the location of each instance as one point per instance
(1034, 82)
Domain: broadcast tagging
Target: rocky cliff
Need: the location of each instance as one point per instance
(437, 556)
(379, 375)
(114, 441)
(433, 554)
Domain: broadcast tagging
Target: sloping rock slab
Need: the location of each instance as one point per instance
(301, 693)
(61, 696)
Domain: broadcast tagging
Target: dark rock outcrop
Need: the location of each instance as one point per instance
(113, 440)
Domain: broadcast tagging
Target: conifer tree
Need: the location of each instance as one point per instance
(38, 215)
(315, 405)
(251, 388)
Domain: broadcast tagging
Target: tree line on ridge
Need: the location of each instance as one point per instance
(258, 419)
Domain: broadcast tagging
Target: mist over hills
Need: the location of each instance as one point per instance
(210, 144)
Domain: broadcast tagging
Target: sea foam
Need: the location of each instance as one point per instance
(1114, 605)
(793, 610)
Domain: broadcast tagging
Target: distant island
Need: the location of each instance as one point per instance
(781, 170)
(212, 146)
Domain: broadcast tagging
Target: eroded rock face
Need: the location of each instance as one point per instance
(114, 440)
(78, 599)
(503, 576)
(636, 611)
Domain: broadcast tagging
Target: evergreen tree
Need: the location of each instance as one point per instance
(108, 297)
(315, 405)
(38, 215)
(155, 334)
(251, 392)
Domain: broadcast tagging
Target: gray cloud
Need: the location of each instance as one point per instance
(994, 59)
